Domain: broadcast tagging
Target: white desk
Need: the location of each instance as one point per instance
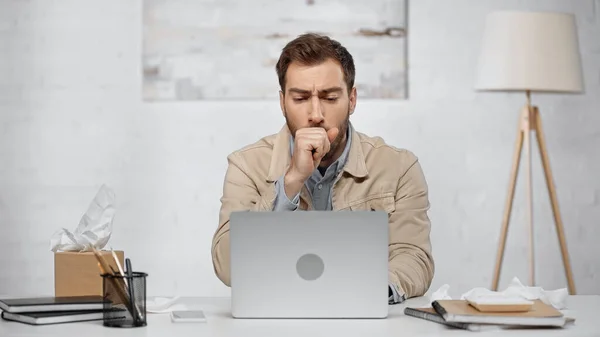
(586, 310)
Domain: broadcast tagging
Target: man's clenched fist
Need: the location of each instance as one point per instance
(310, 146)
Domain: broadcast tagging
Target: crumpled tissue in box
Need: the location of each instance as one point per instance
(94, 229)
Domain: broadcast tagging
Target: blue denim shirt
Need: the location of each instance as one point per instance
(320, 188)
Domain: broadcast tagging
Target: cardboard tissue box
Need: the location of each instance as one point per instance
(76, 271)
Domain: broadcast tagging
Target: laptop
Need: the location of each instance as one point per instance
(309, 264)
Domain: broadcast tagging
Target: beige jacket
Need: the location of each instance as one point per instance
(376, 176)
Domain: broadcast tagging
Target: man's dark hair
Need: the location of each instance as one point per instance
(312, 49)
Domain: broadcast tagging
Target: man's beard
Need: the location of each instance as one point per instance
(337, 142)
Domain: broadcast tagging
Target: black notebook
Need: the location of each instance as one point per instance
(45, 304)
(43, 318)
(430, 314)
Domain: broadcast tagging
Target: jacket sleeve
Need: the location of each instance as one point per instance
(411, 265)
(240, 193)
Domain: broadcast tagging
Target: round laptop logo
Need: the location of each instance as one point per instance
(310, 267)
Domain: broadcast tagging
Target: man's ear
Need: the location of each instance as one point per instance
(352, 103)
(282, 101)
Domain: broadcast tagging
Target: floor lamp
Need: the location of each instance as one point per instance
(530, 52)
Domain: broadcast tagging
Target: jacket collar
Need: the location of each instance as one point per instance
(280, 159)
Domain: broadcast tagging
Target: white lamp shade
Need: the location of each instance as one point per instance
(530, 51)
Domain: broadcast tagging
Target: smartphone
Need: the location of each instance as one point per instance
(188, 316)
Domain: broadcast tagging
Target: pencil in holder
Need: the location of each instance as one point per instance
(126, 295)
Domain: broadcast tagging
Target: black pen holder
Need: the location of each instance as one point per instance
(125, 297)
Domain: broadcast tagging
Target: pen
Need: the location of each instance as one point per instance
(129, 272)
(119, 266)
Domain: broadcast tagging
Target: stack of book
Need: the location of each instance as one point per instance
(462, 314)
(53, 310)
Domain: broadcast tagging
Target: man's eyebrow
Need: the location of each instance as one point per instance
(300, 91)
(324, 91)
(331, 90)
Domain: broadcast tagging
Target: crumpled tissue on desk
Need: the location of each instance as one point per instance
(556, 298)
(161, 305)
(94, 229)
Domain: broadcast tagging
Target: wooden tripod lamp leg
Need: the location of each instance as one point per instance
(528, 127)
(509, 202)
(554, 201)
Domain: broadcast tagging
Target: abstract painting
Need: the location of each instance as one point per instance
(227, 49)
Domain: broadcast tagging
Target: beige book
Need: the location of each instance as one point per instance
(460, 311)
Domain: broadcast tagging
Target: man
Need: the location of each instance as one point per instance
(319, 162)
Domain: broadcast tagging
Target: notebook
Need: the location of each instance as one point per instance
(43, 318)
(45, 304)
(459, 311)
(430, 314)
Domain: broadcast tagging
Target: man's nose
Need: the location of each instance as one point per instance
(316, 112)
